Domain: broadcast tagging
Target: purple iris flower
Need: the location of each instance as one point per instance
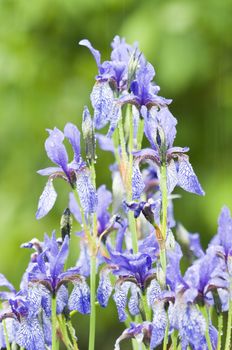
(116, 71)
(75, 173)
(161, 131)
(143, 91)
(49, 272)
(22, 321)
(224, 233)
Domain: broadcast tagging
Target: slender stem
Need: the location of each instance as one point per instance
(174, 339)
(92, 301)
(122, 141)
(6, 335)
(132, 222)
(146, 308)
(164, 193)
(54, 322)
(207, 335)
(228, 328)
(220, 330)
(165, 341)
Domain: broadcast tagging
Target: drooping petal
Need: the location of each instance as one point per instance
(56, 150)
(49, 171)
(74, 208)
(137, 181)
(47, 329)
(225, 229)
(46, 200)
(192, 325)
(187, 179)
(104, 288)
(80, 297)
(73, 135)
(102, 99)
(120, 298)
(104, 200)
(30, 334)
(133, 303)
(172, 176)
(153, 292)
(61, 299)
(159, 324)
(115, 115)
(105, 143)
(5, 283)
(86, 191)
(96, 54)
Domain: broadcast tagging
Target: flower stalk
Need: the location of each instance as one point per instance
(228, 328)
(54, 338)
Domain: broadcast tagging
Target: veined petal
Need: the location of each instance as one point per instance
(47, 329)
(137, 181)
(56, 150)
(115, 115)
(73, 135)
(153, 292)
(86, 191)
(120, 298)
(187, 179)
(49, 171)
(30, 334)
(102, 99)
(159, 324)
(61, 299)
(172, 176)
(96, 54)
(105, 287)
(133, 303)
(5, 283)
(74, 208)
(46, 200)
(80, 297)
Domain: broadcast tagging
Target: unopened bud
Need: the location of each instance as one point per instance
(89, 136)
(66, 223)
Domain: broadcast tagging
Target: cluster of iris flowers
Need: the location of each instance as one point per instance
(127, 247)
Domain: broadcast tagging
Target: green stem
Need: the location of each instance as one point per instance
(220, 330)
(122, 141)
(207, 335)
(54, 322)
(164, 193)
(6, 335)
(132, 222)
(92, 301)
(146, 308)
(165, 341)
(174, 339)
(228, 328)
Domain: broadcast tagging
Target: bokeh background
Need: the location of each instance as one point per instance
(46, 79)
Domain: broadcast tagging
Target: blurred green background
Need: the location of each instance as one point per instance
(46, 79)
